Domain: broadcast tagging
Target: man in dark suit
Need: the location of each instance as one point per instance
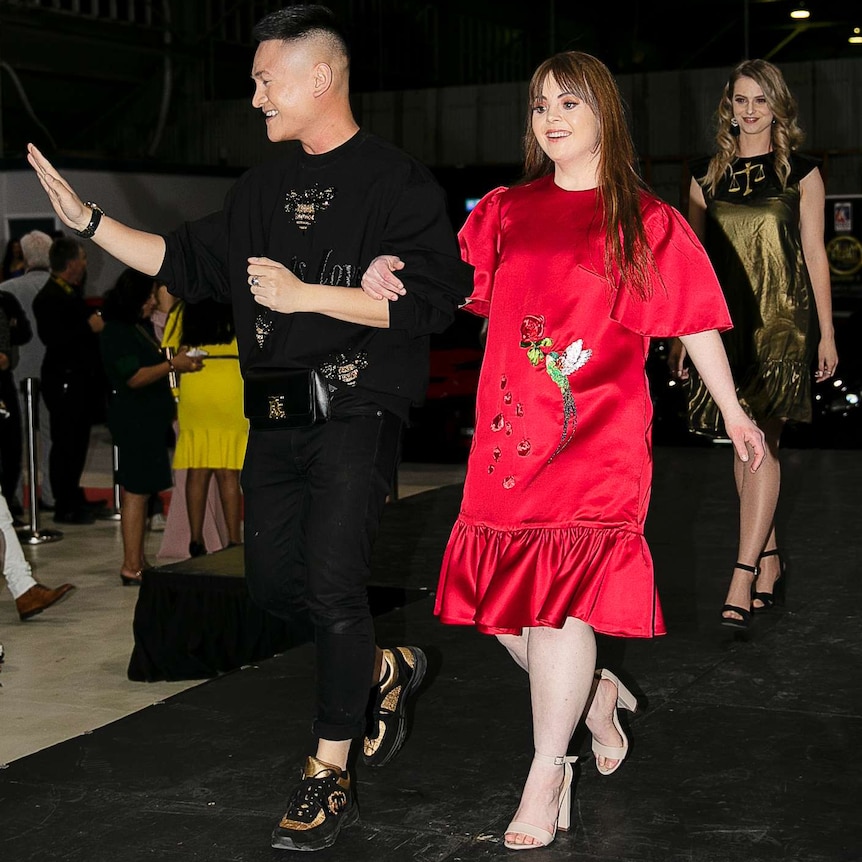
(71, 375)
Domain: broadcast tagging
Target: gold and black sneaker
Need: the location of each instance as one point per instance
(387, 722)
(318, 809)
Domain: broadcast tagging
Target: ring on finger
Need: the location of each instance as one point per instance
(254, 281)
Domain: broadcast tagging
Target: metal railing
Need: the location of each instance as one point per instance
(139, 12)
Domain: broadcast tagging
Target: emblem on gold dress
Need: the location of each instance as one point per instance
(751, 173)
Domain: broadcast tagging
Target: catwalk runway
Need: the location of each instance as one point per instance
(747, 746)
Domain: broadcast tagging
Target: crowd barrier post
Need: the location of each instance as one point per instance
(32, 534)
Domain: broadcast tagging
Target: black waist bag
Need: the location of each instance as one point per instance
(285, 398)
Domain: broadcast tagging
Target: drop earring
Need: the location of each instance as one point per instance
(734, 127)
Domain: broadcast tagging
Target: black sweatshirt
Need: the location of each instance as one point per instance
(326, 217)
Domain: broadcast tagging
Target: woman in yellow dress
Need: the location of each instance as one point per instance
(213, 430)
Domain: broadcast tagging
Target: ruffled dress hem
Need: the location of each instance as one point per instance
(502, 581)
(209, 448)
(779, 390)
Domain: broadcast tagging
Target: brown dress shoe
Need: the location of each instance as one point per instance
(39, 597)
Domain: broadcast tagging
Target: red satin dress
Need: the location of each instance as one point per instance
(559, 474)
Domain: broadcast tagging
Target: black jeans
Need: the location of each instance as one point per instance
(313, 501)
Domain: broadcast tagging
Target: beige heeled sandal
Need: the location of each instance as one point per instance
(564, 813)
(625, 700)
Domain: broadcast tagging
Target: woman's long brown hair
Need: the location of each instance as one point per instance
(620, 184)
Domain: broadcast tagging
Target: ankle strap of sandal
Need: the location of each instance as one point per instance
(772, 553)
(557, 760)
(753, 569)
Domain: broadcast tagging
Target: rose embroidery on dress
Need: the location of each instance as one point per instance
(532, 337)
(559, 368)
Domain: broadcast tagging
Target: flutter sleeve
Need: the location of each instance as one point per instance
(480, 247)
(686, 296)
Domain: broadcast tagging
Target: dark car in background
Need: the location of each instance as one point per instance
(441, 430)
(837, 403)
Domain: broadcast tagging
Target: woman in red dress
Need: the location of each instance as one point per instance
(576, 268)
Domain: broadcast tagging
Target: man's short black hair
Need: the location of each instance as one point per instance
(63, 251)
(297, 22)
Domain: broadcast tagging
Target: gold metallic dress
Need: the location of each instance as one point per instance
(753, 240)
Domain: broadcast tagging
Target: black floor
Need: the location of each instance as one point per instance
(747, 748)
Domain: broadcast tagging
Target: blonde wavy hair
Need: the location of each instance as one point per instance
(620, 184)
(787, 136)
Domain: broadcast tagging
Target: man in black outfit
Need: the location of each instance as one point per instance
(71, 379)
(288, 250)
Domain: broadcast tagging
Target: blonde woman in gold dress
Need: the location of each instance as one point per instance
(758, 207)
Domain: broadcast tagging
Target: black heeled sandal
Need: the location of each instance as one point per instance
(745, 613)
(197, 549)
(776, 597)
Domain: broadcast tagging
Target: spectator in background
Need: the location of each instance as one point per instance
(36, 246)
(71, 375)
(14, 328)
(31, 598)
(213, 430)
(13, 260)
(141, 406)
(175, 541)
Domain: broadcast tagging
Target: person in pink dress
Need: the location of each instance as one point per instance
(576, 268)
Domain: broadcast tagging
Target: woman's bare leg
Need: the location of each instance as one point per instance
(231, 502)
(770, 568)
(601, 703)
(133, 526)
(600, 722)
(561, 665)
(517, 647)
(197, 488)
(758, 500)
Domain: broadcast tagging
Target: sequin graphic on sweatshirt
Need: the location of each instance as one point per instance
(305, 205)
(262, 329)
(344, 368)
(559, 367)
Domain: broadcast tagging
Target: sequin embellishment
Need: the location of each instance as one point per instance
(559, 368)
(262, 329)
(305, 205)
(276, 407)
(344, 368)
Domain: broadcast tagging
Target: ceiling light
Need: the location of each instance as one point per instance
(856, 38)
(800, 12)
